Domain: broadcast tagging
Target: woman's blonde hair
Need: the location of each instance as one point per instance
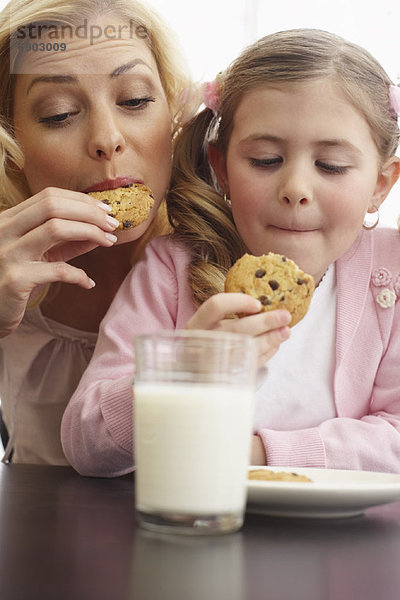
(20, 14)
(200, 217)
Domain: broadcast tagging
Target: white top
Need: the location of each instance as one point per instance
(309, 350)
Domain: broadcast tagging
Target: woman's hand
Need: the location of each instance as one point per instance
(270, 328)
(38, 237)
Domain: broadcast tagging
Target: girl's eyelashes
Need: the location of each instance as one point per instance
(63, 119)
(330, 168)
(265, 162)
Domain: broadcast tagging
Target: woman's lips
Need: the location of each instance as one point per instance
(112, 184)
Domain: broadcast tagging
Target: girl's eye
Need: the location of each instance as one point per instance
(265, 162)
(328, 168)
(137, 102)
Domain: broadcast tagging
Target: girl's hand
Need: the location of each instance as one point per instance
(257, 452)
(38, 237)
(270, 328)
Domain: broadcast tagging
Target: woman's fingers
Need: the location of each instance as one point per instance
(53, 203)
(20, 281)
(38, 237)
(50, 240)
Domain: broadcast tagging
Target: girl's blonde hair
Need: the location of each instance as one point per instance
(200, 217)
(20, 14)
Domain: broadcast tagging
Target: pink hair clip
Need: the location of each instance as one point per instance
(211, 96)
(394, 100)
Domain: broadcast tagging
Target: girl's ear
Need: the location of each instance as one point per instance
(388, 176)
(217, 160)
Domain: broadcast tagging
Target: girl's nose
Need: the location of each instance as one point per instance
(295, 188)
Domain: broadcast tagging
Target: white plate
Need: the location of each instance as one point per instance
(333, 493)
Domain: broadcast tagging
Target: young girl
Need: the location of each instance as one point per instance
(89, 93)
(302, 144)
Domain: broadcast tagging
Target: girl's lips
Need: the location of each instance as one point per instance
(295, 229)
(112, 184)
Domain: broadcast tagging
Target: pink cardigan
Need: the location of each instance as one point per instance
(97, 427)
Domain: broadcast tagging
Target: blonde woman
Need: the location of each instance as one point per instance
(89, 97)
(301, 133)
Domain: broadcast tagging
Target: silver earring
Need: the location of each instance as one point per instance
(371, 225)
(227, 200)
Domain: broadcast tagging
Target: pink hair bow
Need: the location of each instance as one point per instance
(394, 100)
(211, 96)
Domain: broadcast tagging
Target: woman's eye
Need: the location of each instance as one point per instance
(56, 120)
(329, 168)
(265, 162)
(137, 102)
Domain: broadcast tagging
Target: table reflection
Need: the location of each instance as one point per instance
(181, 567)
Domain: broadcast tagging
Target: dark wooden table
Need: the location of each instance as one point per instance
(66, 537)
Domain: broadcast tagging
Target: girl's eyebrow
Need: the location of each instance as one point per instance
(329, 143)
(339, 143)
(72, 79)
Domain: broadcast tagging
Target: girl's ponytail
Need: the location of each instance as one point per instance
(200, 218)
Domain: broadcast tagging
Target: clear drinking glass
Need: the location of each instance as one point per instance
(193, 410)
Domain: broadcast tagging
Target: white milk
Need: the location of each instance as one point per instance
(192, 447)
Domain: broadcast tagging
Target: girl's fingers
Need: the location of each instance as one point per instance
(269, 343)
(260, 324)
(218, 307)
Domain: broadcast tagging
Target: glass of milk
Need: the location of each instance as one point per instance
(193, 410)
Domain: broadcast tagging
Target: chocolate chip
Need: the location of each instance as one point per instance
(260, 273)
(105, 201)
(301, 281)
(273, 284)
(281, 299)
(127, 186)
(265, 301)
(283, 258)
(127, 224)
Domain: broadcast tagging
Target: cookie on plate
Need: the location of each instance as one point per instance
(130, 205)
(268, 475)
(275, 280)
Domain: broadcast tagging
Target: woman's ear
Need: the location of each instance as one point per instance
(387, 177)
(217, 161)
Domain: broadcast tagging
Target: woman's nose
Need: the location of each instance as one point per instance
(106, 139)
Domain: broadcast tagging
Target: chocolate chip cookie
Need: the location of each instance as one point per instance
(269, 475)
(275, 280)
(130, 205)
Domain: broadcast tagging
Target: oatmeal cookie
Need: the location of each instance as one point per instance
(275, 280)
(130, 205)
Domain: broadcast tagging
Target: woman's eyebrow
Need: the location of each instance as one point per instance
(72, 79)
(51, 79)
(128, 67)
